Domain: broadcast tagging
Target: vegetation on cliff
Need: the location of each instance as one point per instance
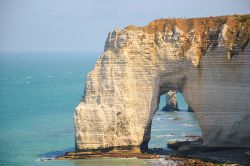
(206, 31)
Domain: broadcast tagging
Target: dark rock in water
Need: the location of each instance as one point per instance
(177, 118)
(46, 159)
(192, 137)
(190, 109)
(182, 145)
(169, 108)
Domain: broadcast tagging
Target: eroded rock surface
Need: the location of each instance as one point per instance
(205, 58)
(171, 101)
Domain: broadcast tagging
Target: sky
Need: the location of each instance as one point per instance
(83, 25)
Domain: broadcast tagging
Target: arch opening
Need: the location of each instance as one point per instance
(173, 121)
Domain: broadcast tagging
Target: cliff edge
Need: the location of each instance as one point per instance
(207, 59)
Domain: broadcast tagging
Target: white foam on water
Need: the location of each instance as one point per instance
(166, 135)
(188, 125)
(45, 159)
(157, 118)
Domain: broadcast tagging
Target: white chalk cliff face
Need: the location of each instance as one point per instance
(207, 59)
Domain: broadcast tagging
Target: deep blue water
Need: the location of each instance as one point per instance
(38, 95)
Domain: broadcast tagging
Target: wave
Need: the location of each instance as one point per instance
(45, 159)
(189, 125)
(166, 135)
(175, 118)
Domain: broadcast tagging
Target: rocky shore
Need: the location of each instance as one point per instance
(93, 155)
(175, 159)
(195, 150)
(186, 153)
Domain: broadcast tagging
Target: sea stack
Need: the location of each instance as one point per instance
(207, 59)
(171, 101)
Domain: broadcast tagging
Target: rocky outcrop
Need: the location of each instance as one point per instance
(171, 101)
(207, 59)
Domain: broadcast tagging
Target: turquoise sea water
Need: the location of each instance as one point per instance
(38, 94)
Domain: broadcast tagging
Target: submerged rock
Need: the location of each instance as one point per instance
(207, 59)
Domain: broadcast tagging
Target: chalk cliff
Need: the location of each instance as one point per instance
(207, 59)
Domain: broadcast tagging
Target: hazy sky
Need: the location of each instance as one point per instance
(83, 25)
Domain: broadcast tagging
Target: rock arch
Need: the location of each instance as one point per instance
(139, 64)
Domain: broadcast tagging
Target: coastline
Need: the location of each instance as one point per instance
(193, 156)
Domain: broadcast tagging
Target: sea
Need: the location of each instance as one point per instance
(38, 95)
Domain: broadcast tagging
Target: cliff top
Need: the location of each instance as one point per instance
(197, 24)
(234, 31)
